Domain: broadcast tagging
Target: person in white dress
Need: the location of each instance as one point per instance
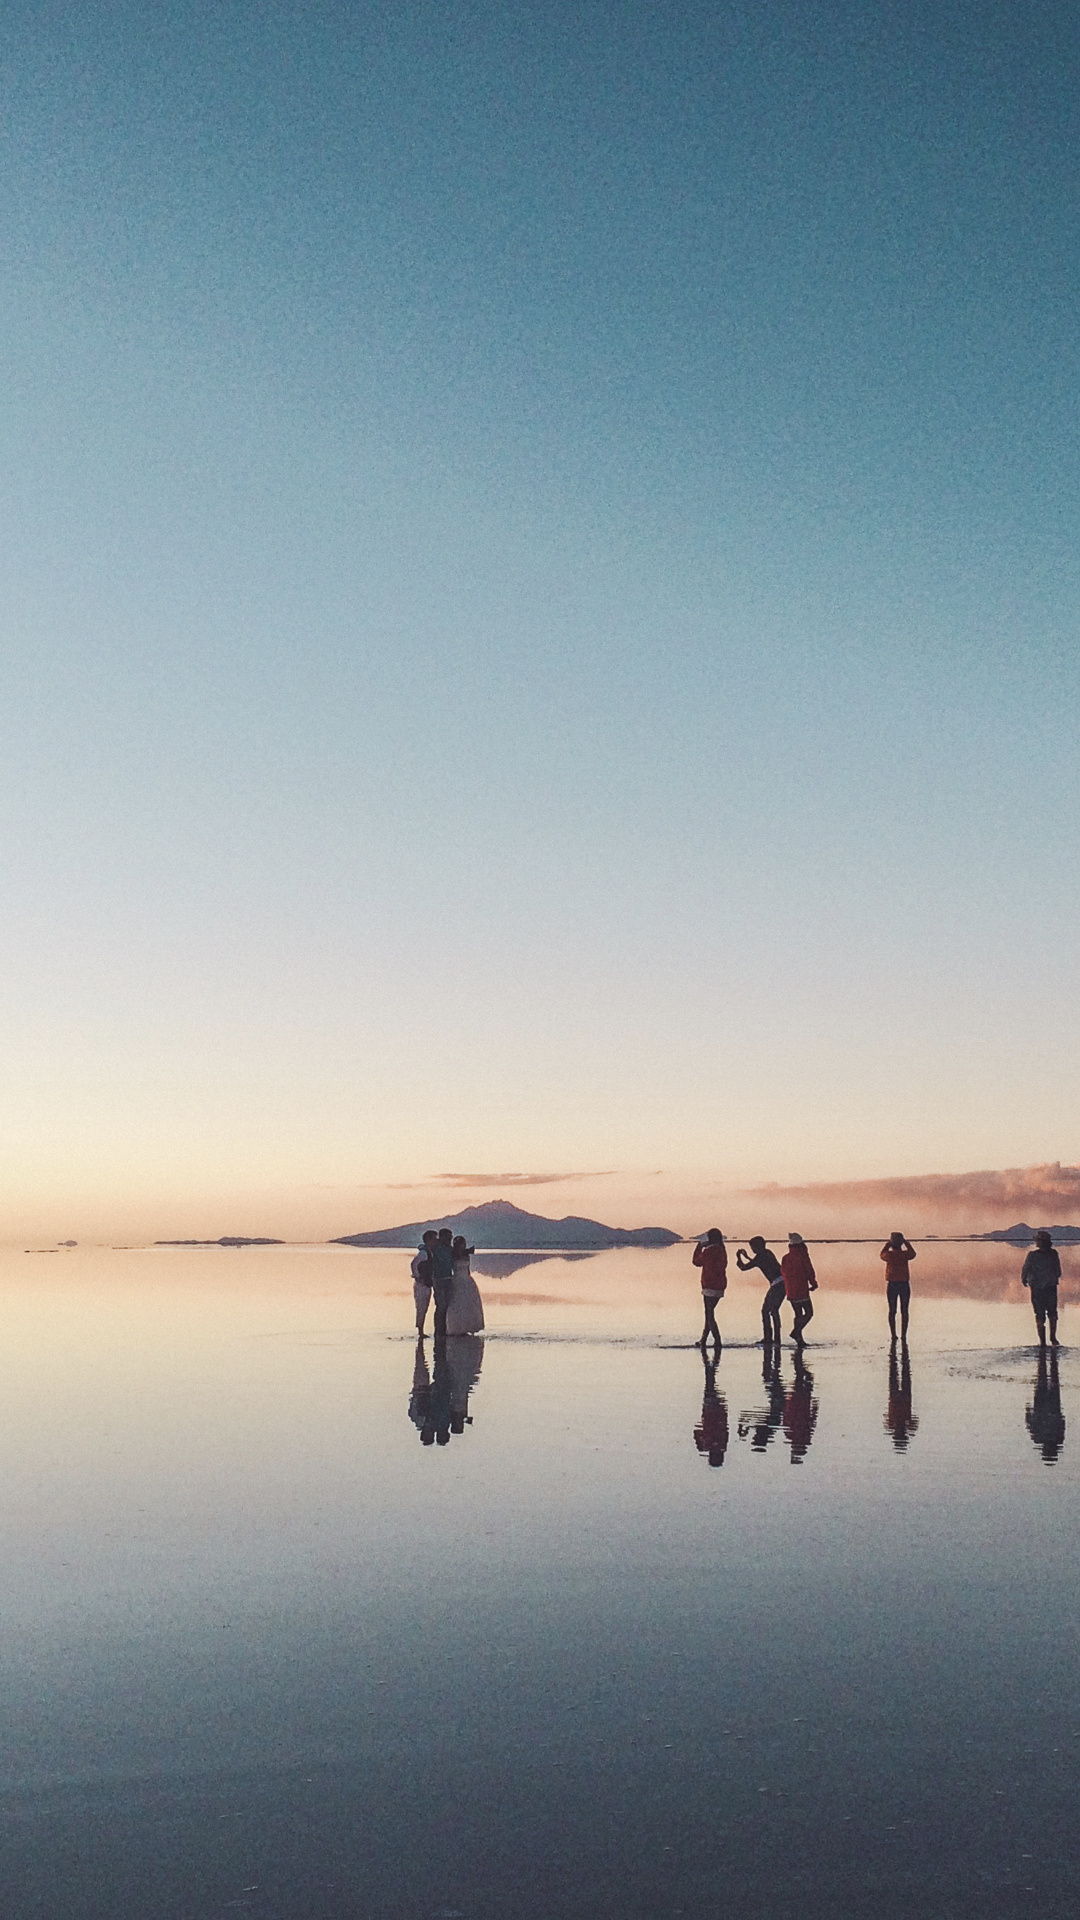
(465, 1314)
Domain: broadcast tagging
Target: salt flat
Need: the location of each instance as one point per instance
(634, 1641)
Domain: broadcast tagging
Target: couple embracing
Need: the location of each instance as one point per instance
(441, 1267)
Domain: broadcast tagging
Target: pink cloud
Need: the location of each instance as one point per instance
(1014, 1192)
(517, 1179)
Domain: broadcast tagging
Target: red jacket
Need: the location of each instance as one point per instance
(798, 1272)
(712, 1259)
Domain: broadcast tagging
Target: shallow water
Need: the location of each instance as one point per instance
(635, 1640)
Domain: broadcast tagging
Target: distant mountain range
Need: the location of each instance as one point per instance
(227, 1240)
(498, 1223)
(1062, 1236)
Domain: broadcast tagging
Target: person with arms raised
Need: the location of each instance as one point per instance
(710, 1255)
(898, 1254)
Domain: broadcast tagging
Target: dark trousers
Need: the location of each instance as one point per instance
(1044, 1301)
(898, 1291)
(804, 1311)
(770, 1311)
(440, 1293)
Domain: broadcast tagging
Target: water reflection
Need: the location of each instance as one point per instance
(899, 1419)
(792, 1410)
(711, 1432)
(439, 1401)
(501, 1266)
(1045, 1420)
(761, 1423)
(800, 1411)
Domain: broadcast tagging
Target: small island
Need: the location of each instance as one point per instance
(226, 1240)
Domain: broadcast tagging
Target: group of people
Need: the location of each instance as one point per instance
(793, 1278)
(441, 1272)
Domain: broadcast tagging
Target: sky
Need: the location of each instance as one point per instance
(540, 609)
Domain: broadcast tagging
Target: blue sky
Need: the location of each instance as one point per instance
(540, 624)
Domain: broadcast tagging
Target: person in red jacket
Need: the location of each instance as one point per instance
(710, 1255)
(800, 1281)
(898, 1254)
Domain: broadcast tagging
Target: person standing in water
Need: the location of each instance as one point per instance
(442, 1278)
(421, 1275)
(710, 1255)
(770, 1267)
(466, 1310)
(898, 1254)
(1041, 1272)
(800, 1281)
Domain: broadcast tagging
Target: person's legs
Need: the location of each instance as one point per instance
(904, 1295)
(1038, 1302)
(1051, 1314)
(891, 1293)
(770, 1314)
(442, 1301)
(804, 1312)
(712, 1331)
(422, 1298)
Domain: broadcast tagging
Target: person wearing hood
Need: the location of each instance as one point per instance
(898, 1254)
(800, 1281)
(1041, 1272)
(710, 1255)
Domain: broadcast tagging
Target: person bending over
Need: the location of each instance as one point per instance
(769, 1265)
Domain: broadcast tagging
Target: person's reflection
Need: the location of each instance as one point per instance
(464, 1358)
(899, 1419)
(439, 1401)
(420, 1397)
(1045, 1420)
(711, 1432)
(763, 1422)
(800, 1411)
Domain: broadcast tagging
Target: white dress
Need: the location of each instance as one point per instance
(465, 1314)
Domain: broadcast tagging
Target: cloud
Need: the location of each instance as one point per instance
(517, 1179)
(1012, 1191)
(455, 1181)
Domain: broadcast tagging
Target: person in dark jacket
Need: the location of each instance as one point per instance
(769, 1266)
(1041, 1272)
(442, 1278)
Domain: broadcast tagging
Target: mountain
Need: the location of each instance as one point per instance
(1022, 1233)
(498, 1223)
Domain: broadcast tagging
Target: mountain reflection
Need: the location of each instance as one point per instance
(500, 1266)
(439, 1401)
(711, 1432)
(899, 1419)
(1045, 1420)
